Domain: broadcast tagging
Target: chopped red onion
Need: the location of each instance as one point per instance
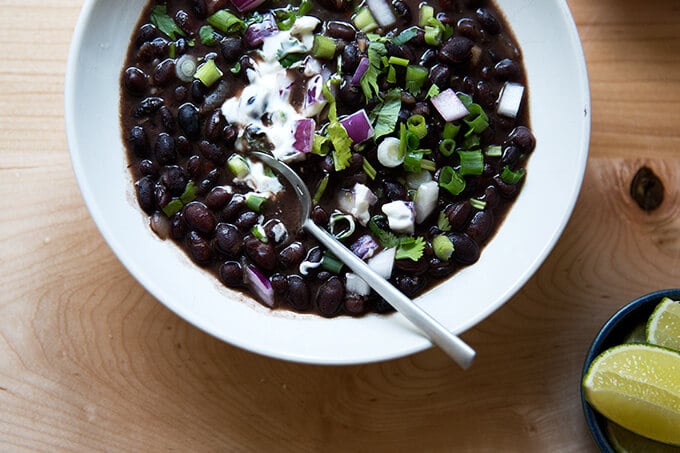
(314, 100)
(449, 106)
(304, 135)
(356, 285)
(258, 31)
(260, 285)
(358, 126)
(383, 262)
(426, 200)
(246, 5)
(382, 12)
(510, 99)
(364, 63)
(364, 247)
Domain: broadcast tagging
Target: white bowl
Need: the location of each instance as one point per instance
(560, 120)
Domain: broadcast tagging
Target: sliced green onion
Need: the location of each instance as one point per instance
(368, 169)
(189, 193)
(319, 145)
(173, 207)
(364, 20)
(477, 120)
(415, 78)
(391, 75)
(236, 68)
(255, 202)
(238, 165)
(339, 217)
(208, 73)
(433, 91)
(450, 180)
(443, 222)
(416, 124)
(471, 142)
(447, 147)
(172, 50)
(428, 165)
(471, 162)
(414, 163)
(442, 247)
(258, 232)
(227, 22)
(450, 130)
(398, 61)
(331, 263)
(478, 204)
(466, 99)
(512, 177)
(493, 151)
(323, 47)
(433, 35)
(207, 35)
(425, 14)
(321, 188)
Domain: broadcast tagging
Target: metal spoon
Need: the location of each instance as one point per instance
(456, 348)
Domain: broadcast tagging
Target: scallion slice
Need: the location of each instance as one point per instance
(337, 217)
(364, 20)
(478, 204)
(433, 35)
(368, 169)
(442, 247)
(425, 13)
(450, 180)
(398, 61)
(416, 124)
(238, 165)
(443, 222)
(321, 188)
(471, 162)
(512, 177)
(208, 73)
(255, 202)
(493, 151)
(173, 207)
(258, 232)
(323, 47)
(450, 130)
(415, 78)
(189, 193)
(227, 22)
(447, 147)
(331, 263)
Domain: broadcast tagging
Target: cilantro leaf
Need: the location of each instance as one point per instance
(386, 238)
(342, 152)
(165, 23)
(369, 81)
(384, 117)
(405, 36)
(411, 248)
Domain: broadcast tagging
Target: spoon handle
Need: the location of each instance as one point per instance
(456, 348)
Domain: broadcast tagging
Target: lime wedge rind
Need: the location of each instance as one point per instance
(663, 327)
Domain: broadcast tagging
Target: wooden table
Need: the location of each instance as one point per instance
(90, 361)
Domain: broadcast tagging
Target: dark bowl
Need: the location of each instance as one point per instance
(614, 332)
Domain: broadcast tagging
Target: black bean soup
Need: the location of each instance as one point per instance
(407, 120)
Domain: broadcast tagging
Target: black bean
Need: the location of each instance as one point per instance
(215, 99)
(229, 134)
(488, 21)
(468, 28)
(465, 249)
(147, 107)
(228, 239)
(298, 294)
(276, 231)
(505, 189)
(247, 220)
(235, 205)
(231, 273)
(491, 197)
(446, 18)
(355, 304)
(421, 108)
(340, 30)
(187, 116)
(486, 94)
(213, 152)
(402, 10)
(186, 22)
(440, 75)
(412, 267)
(231, 49)
(182, 145)
(279, 283)
(214, 126)
(178, 226)
(394, 190)
(507, 69)
(481, 226)
(138, 141)
(164, 150)
(350, 58)
(148, 167)
(457, 49)
(146, 33)
(135, 81)
(199, 217)
(458, 214)
(172, 177)
(164, 72)
(410, 285)
(350, 95)
(330, 296)
(327, 164)
(439, 268)
(335, 5)
(153, 49)
(198, 91)
(180, 94)
(522, 137)
(167, 119)
(145, 193)
(199, 248)
(262, 253)
(218, 197)
(292, 255)
(510, 156)
(380, 304)
(428, 58)
(319, 215)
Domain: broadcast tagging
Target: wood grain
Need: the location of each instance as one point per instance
(91, 362)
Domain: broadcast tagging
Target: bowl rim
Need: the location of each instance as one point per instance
(610, 334)
(414, 345)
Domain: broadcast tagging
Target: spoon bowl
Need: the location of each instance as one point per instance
(456, 348)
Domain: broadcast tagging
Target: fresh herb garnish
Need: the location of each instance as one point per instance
(386, 238)
(208, 36)
(384, 116)
(165, 23)
(410, 248)
(405, 36)
(369, 81)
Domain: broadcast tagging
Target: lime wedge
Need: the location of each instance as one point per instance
(624, 441)
(638, 387)
(663, 327)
